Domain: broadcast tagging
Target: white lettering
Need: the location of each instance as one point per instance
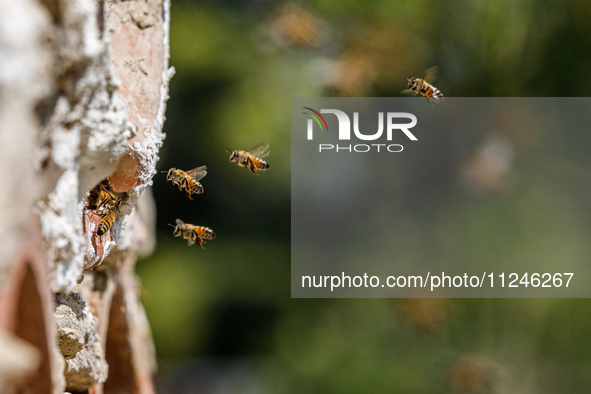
(403, 127)
(344, 123)
(370, 137)
(395, 151)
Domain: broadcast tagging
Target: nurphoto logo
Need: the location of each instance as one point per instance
(344, 133)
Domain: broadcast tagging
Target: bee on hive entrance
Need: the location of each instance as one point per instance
(251, 159)
(105, 203)
(100, 198)
(106, 221)
(193, 234)
(423, 87)
(187, 179)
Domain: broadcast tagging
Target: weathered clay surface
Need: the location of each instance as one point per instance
(79, 343)
(83, 90)
(18, 361)
(72, 324)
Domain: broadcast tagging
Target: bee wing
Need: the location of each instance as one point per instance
(261, 150)
(431, 74)
(197, 173)
(179, 221)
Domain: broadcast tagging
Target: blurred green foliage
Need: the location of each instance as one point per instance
(223, 317)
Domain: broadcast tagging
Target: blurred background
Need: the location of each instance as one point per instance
(222, 318)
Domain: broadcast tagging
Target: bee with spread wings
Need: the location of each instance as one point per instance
(423, 87)
(187, 179)
(193, 234)
(251, 159)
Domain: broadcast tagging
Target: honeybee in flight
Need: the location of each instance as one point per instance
(187, 179)
(423, 87)
(251, 159)
(193, 234)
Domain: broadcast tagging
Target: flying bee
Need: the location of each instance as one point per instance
(423, 87)
(293, 25)
(193, 234)
(187, 179)
(251, 159)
